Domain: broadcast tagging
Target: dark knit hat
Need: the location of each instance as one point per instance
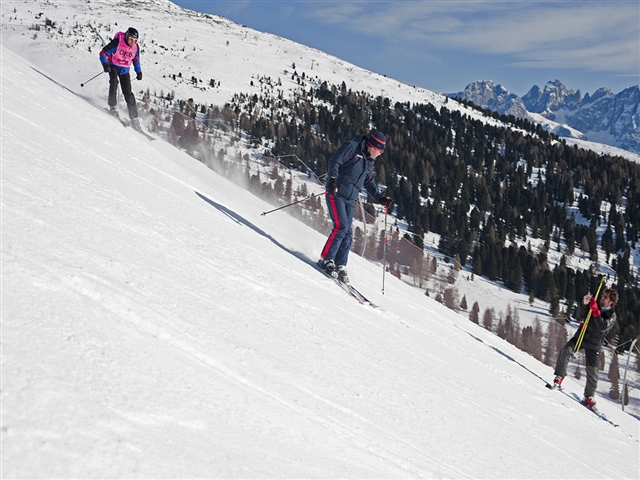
(131, 32)
(377, 140)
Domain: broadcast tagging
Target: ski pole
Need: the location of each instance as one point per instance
(586, 322)
(82, 84)
(384, 246)
(294, 203)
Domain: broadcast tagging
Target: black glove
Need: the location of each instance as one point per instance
(386, 201)
(331, 186)
(106, 67)
(139, 76)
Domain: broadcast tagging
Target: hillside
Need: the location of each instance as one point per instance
(154, 324)
(185, 52)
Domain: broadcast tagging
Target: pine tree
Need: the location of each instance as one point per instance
(474, 314)
(626, 394)
(551, 352)
(451, 298)
(487, 318)
(463, 303)
(537, 339)
(527, 340)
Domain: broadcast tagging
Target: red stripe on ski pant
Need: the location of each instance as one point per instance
(336, 226)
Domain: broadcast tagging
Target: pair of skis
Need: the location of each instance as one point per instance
(350, 289)
(127, 123)
(575, 397)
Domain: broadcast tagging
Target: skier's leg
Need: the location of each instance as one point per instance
(563, 358)
(129, 97)
(113, 87)
(593, 356)
(342, 256)
(338, 215)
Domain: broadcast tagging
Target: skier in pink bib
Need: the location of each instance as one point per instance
(116, 58)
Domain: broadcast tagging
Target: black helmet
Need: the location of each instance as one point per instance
(131, 32)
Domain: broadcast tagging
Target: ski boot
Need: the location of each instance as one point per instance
(342, 274)
(329, 267)
(135, 124)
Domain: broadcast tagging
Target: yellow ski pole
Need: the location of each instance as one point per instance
(586, 322)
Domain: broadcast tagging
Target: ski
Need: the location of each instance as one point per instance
(349, 289)
(145, 134)
(575, 397)
(366, 300)
(597, 413)
(125, 123)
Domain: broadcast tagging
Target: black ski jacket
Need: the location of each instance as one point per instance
(597, 329)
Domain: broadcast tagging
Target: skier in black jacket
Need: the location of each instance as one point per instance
(350, 169)
(600, 324)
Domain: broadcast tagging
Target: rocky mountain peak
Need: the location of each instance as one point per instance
(603, 117)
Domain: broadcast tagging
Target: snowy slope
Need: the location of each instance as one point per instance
(155, 325)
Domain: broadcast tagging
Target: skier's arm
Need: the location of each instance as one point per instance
(344, 153)
(136, 61)
(371, 186)
(108, 50)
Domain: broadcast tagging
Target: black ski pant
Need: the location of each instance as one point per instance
(592, 356)
(125, 84)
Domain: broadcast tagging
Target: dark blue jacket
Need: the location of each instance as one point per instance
(353, 169)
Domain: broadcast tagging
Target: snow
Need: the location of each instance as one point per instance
(155, 325)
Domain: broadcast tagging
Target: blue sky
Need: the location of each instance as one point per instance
(444, 45)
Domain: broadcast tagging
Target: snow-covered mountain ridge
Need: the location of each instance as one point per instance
(201, 56)
(155, 325)
(603, 117)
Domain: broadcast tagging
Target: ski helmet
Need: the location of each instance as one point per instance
(131, 32)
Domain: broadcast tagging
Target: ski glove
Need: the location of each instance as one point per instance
(331, 186)
(106, 67)
(386, 201)
(139, 76)
(593, 305)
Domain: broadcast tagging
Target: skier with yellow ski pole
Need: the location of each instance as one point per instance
(598, 320)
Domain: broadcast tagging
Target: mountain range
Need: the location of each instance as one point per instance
(603, 117)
